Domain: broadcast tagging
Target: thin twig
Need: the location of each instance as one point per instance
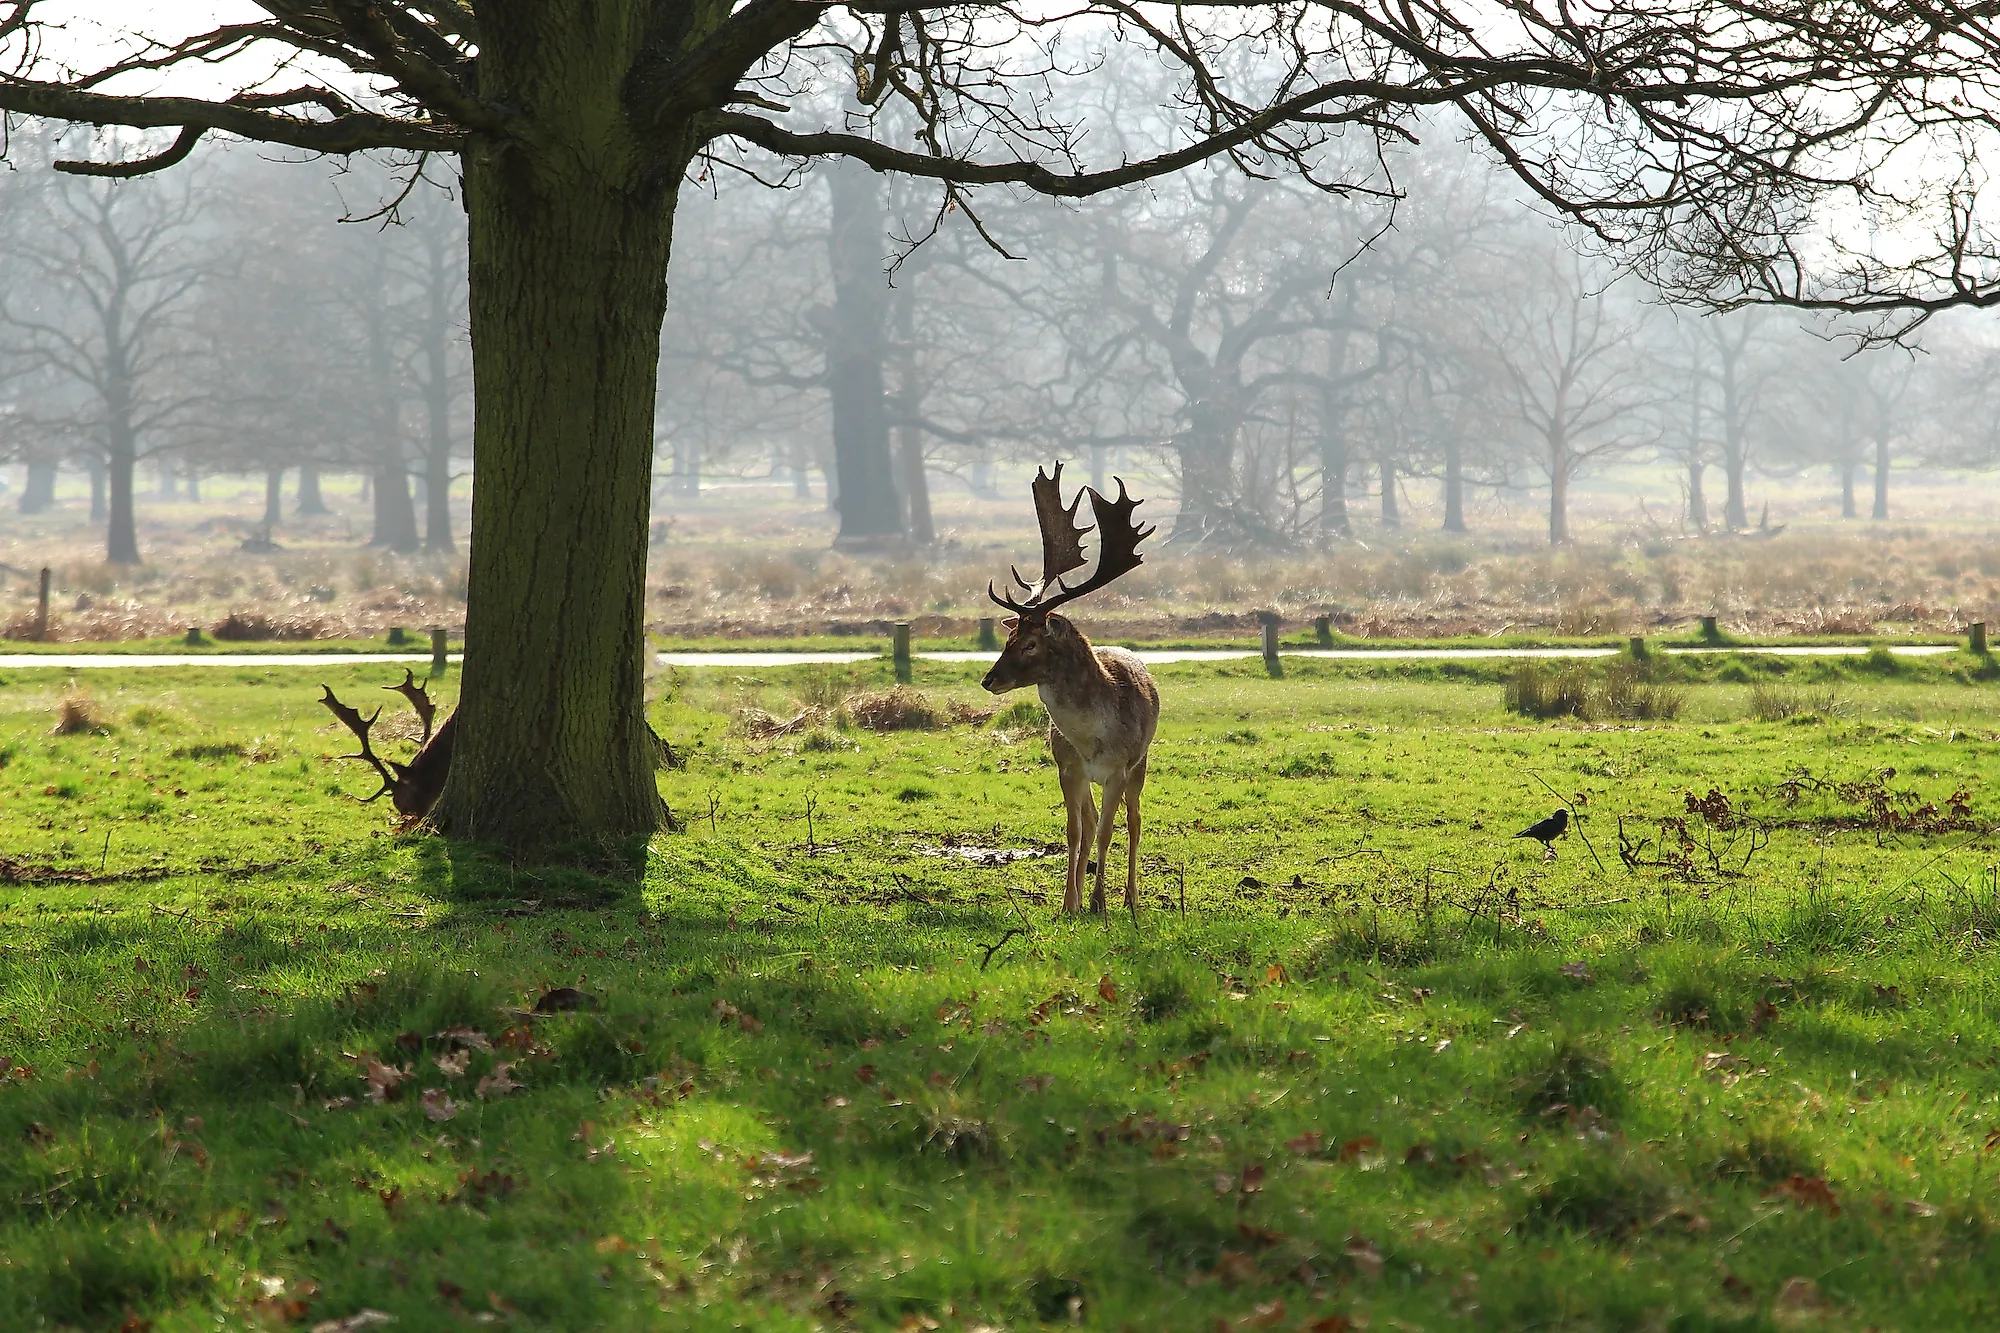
(1575, 818)
(997, 946)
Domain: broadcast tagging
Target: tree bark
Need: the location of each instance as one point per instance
(856, 346)
(310, 501)
(395, 512)
(1697, 496)
(569, 241)
(165, 487)
(98, 501)
(121, 453)
(194, 483)
(274, 497)
(1848, 466)
(1454, 485)
(1392, 516)
(1881, 475)
(39, 492)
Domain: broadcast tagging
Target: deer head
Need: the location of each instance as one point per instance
(1036, 637)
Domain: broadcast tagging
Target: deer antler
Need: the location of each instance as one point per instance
(1062, 544)
(1062, 540)
(351, 718)
(420, 700)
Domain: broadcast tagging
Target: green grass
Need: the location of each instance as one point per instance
(1385, 1064)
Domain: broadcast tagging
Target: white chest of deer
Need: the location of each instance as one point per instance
(1109, 722)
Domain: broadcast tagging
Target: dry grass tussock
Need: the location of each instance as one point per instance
(1620, 692)
(898, 709)
(78, 714)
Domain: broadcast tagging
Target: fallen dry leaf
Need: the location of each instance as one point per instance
(1763, 1015)
(464, 1038)
(564, 1000)
(498, 1083)
(1265, 1315)
(355, 1322)
(452, 1065)
(1276, 975)
(1107, 989)
(1800, 1293)
(385, 1082)
(1306, 1144)
(1577, 972)
(1333, 1323)
(1365, 1255)
(37, 1135)
(1355, 1149)
(1807, 1192)
(438, 1106)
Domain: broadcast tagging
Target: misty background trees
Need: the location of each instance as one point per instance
(1262, 355)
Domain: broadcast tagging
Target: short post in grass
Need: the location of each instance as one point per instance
(42, 609)
(1710, 631)
(397, 638)
(989, 635)
(1323, 631)
(1269, 620)
(1638, 644)
(194, 639)
(901, 652)
(1975, 638)
(437, 650)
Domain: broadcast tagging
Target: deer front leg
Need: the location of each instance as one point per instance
(1082, 820)
(1132, 791)
(1114, 793)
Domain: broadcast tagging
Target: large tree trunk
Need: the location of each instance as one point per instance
(569, 243)
(40, 491)
(1385, 467)
(909, 430)
(856, 346)
(121, 453)
(98, 500)
(1848, 467)
(1454, 485)
(310, 500)
(274, 497)
(165, 488)
(1697, 495)
(1881, 475)
(395, 511)
(194, 483)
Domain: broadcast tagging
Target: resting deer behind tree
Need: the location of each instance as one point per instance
(1103, 708)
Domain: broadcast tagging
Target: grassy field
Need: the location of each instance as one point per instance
(1362, 1061)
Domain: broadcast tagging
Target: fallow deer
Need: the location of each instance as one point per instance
(1103, 708)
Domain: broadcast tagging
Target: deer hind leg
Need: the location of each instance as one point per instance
(1082, 818)
(1133, 788)
(1114, 793)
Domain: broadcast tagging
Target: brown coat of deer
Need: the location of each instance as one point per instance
(1103, 708)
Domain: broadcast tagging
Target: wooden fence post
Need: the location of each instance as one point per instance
(438, 662)
(1323, 630)
(194, 639)
(42, 609)
(901, 652)
(397, 638)
(1710, 630)
(1638, 647)
(1269, 620)
(1976, 637)
(989, 634)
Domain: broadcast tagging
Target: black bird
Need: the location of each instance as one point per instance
(1548, 830)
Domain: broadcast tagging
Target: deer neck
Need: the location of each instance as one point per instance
(1074, 680)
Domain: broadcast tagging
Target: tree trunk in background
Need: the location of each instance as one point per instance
(1881, 475)
(687, 469)
(1697, 496)
(194, 483)
(98, 499)
(437, 394)
(274, 497)
(121, 453)
(1454, 485)
(39, 491)
(165, 487)
(1097, 452)
(1559, 465)
(802, 487)
(915, 486)
(569, 240)
(856, 346)
(982, 473)
(395, 512)
(1332, 476)
(1392, 517)
(1848, 467)
(310, 501)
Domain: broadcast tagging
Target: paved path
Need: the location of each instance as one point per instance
(1152, 656)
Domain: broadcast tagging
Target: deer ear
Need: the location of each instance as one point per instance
(1060, 624)
(1010, 622)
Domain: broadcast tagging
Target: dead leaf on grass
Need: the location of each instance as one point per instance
(564, 1000)
(438, 1106)
(1365, 1255)
(355, 1322)
(1800, 1294)
(452, 1065)
(1806, 1192)
(1306, 1144)
(497, 1083)
(1107, 989)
